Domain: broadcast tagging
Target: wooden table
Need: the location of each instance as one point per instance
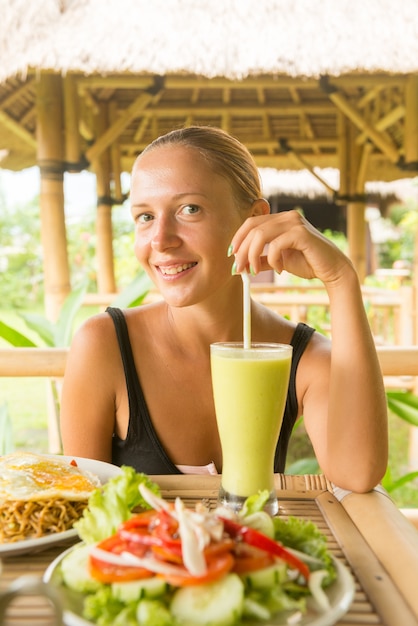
(367, 532)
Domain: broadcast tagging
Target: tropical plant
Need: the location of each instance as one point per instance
(402, 404)
(6, 436)
(59, 334)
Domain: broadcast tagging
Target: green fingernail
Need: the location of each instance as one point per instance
(234, 268)
(230, 250)
(252, 271)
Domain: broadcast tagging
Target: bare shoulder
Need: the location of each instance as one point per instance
(314, 367)
(94, 334)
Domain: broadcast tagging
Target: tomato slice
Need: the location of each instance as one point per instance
(254, 538)
(217, 567)
(250, 559)
(108, 573)
(140, 520)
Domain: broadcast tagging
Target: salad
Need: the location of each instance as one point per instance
(169, 565)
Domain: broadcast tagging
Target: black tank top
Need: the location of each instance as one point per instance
(143, 450)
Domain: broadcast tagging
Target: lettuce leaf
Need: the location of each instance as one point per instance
(305, 536)
(112, 504)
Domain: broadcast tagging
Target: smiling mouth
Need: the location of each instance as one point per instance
(175, 269)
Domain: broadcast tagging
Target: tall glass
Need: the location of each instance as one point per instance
(250, 389)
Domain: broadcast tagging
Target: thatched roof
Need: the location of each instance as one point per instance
(231, 38)
(302, 184)
(253, 67)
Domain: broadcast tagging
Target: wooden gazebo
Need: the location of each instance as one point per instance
(86, 84)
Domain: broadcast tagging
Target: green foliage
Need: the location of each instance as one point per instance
(6, 431)
(21, 264)
(50, 334)
(59, 334)
(391, 484)
(404, 404)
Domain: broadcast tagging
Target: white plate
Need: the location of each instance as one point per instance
(340, 595)
(104, 471)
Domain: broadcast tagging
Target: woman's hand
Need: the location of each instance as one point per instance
(293, 244)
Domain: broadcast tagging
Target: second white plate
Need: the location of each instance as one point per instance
(103, 470)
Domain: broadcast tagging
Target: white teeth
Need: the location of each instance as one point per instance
(177, 269)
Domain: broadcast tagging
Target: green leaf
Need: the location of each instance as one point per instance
(404, 408)
(304, 466)
(390, 485)
(43, 327)
(112, 504)
(6, 431)
(406, 397)
(134, 293)
(14, 337)
(64, 326)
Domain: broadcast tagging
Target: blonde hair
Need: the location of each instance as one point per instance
(227, 156)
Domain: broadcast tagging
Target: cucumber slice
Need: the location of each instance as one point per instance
(215, 604)
(75, 572)
(267, 577)
(252, 608)
(138, 589)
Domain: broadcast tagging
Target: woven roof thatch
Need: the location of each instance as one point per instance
(231, 38)
(250, 66)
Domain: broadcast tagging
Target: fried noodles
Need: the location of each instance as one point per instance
(29, 519)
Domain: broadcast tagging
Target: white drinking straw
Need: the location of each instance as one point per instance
(247, 309)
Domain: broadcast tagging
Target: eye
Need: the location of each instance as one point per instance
(142, 218)
(190, 209)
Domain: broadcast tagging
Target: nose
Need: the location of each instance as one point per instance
(165, 234)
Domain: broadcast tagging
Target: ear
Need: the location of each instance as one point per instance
(260, 207)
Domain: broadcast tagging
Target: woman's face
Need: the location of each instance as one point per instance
(185, 217)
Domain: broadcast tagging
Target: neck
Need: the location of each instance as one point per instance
(219, 318)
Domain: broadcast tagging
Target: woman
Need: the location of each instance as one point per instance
(200, 219)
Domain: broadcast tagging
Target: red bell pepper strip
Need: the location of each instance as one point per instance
(254, 538)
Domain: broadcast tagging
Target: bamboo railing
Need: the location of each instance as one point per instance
(391, 312)
(50, 362)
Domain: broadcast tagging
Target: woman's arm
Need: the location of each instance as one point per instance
(87, 414)
(340, 389)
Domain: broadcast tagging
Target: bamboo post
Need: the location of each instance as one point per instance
(115, 157)
(72, 133)
(50, 160)
(411, 121)
(352, 178)
(106, 282)
(342, 131)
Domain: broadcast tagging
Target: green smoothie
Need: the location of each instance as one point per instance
(250, 389)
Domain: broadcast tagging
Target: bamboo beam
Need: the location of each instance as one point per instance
(305, 165)
(17, 93)
(33, 362)
(50, 362)
(113, 131)
(396, 361)
(17, 129)
(238, 110)
(386, 121)
(353, 114)
(124, 81)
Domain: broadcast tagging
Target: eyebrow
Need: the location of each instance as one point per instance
(177, 196)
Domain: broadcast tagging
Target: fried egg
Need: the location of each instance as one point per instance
(28, 476)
